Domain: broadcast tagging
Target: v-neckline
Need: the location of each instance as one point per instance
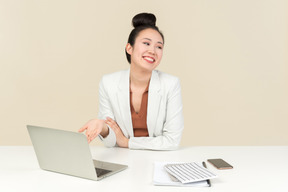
(140, 112)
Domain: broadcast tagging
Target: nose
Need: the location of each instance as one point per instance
(151, 50)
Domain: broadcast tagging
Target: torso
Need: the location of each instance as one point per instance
(136, 101)
(139, 112)
(137, 98)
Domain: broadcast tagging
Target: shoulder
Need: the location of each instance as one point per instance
(114, 78)
(168, 85)
(166, 79)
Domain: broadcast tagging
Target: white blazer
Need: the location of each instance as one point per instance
(164, 111)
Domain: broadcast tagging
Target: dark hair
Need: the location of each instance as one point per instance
(141, 22)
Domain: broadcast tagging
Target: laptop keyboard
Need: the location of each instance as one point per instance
(101, 172)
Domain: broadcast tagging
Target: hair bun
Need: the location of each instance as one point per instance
(144, 19)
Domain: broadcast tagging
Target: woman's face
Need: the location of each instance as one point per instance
(147, 50)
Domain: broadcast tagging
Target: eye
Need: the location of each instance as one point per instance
(159, 47)
(146, 43)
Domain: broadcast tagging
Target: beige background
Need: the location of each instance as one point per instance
(231, 58)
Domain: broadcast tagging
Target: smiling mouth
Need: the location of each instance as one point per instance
(149, 59)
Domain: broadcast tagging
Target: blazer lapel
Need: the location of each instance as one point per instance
(154, 99)
(123, 96)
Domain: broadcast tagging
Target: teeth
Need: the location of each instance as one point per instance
(149, 59)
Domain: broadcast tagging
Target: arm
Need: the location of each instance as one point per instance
(98, 127)
(93, 128)
(105, 110)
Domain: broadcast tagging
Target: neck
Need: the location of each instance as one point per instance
(139, 78)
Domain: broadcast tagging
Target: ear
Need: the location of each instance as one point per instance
(129, 48)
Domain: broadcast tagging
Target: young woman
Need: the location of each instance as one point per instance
(139, 108)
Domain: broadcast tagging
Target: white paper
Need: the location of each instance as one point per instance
(162, 177)
(189, 172)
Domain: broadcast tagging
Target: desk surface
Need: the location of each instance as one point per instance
(255, 169)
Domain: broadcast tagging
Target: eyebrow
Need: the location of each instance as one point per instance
(151, 40)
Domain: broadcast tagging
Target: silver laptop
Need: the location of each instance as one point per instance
(68, 153)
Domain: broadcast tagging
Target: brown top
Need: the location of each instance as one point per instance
(139, 119)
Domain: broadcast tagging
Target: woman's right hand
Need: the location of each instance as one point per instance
(93, 128)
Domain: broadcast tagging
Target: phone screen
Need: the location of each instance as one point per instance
(220, 164)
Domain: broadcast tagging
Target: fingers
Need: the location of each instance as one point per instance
(94, 127)
(90, 129)
(91, 137)
(115, 127)
(82, 129)
(111, 123)
(91, 134)
(121, 140)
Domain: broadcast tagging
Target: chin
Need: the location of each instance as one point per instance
(150, 68)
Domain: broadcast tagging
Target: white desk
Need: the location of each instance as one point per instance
(255, 169)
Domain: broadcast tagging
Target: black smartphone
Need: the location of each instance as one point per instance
(220, 164)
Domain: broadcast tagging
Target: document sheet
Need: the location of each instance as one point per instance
(189, 172)
(162, 177)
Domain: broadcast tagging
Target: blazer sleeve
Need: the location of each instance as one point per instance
(172, 126)
(105, 110)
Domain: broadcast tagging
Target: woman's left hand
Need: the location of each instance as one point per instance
(121, 140)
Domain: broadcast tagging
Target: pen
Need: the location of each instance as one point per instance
(208, 180)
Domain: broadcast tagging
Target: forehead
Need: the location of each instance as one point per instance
(150, 34)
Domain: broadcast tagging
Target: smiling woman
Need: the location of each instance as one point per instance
(140, 108)
(141, 22)
(148, 47)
